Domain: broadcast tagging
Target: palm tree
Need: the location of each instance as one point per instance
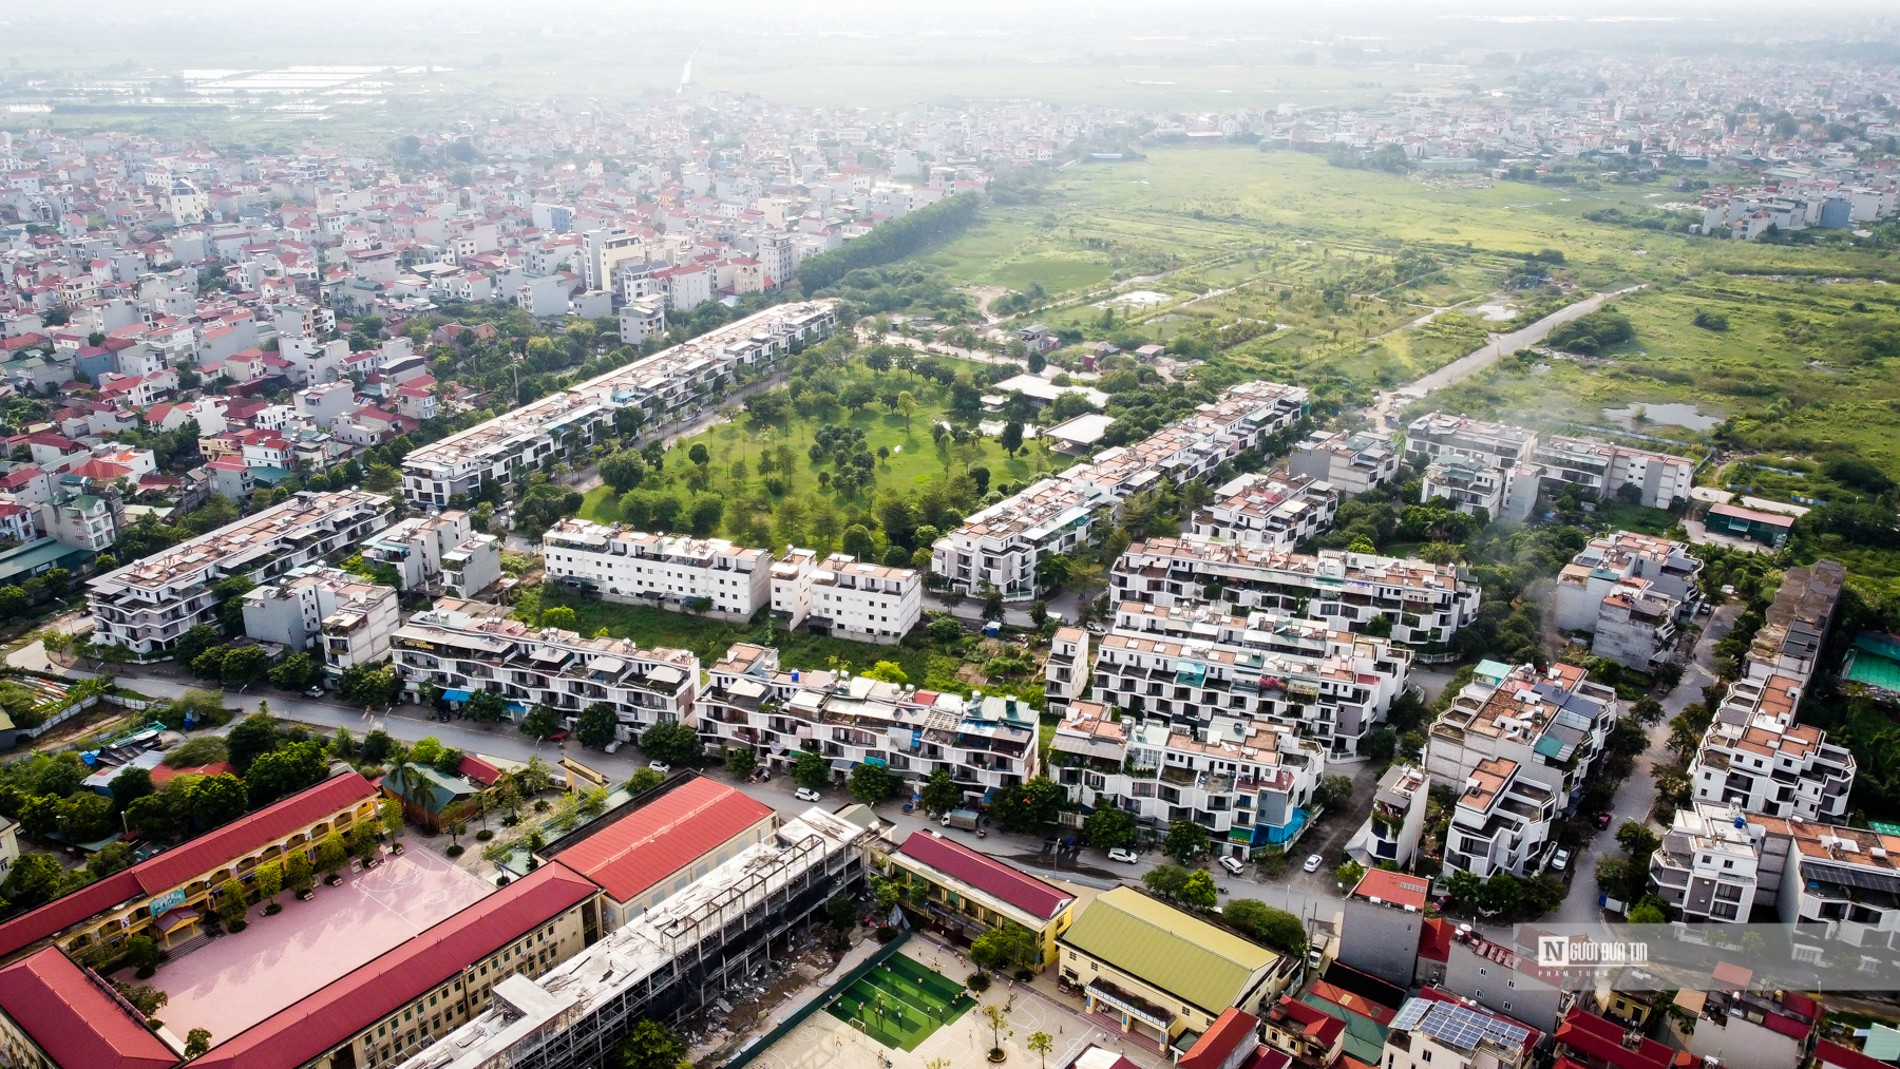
(417, 783)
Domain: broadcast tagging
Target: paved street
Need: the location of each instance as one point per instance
(1637, 796)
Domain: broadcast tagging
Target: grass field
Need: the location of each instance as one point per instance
(900, 1003)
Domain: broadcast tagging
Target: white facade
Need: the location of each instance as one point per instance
(1353, 462)
(985, 742)
(1495, 445)
(1628, 592)
(1434, 1033)
(1605, 468)
(415, 547)
(562, 426)
(844, 597)
(466, 646)
(1392, 830)
(1716, 864)
(1272, 509)
(146, 605)
(702, 575)
(355, 619)
(1427, 603)
(1502, 821)
(1553, 724)
(1066, 671)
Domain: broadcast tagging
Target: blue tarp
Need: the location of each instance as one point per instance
(456, 695)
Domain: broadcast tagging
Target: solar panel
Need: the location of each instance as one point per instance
(1457, 1025)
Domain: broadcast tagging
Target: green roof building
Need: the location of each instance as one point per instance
(1163, 974)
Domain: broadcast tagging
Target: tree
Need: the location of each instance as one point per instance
(1273, 927)
(231, 905)
(485, 707)
(250, 738)
(216, 800)
(741, 762)
(598, 726)
(887, 672)
(244, 666)
(268, 878)
(299, 874)
(1040, 1044)
(297, 672)
(644, 779)
(1647, 912)
(650, 1044)
(1464, 887)
(671, 743)
(541, 722)
(941, 793)
(1198, 891)
(1349, 873)
(1185, 842)
(810, 770)
(859, 543)
(331, 854)
(998, 1016)
(1165, 881)
(622, 471)
(1012, 437)
(1502, 893)
(870, 783)
(130, 785)
(1032, 806)
(1108, 827)
(1008, 947)
(286, 771)
(699, 455)
(907, 404)
(197, 1043)
(196, 639)
(1333, 791)
(559, 616)
(1647, 711)
(85, 817)
(34, 880)
(1638, 842)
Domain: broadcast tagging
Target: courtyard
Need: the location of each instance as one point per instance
(901, 1003)
(227, 984)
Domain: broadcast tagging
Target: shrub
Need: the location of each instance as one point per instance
(484, 835)
(454, 850)
(978, 982)
(273, 909)
(885, 934)
(503, 880)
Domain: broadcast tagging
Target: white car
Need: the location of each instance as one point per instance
(1233, 865)
(1313, 862)
(661, 767)
(806, 794)
(1123, 855)
(1560, 860)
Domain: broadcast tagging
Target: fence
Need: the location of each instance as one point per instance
(764, 1043)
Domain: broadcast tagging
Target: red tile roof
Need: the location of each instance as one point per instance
(1318, 1025)
(1826, 1053)
(1231, 1029)
(478, 770)
(1598, 1041)
(1394, 887)
(992, 877)
(196, 857)
(75, 1022)
(331, 1015)
(634, 853)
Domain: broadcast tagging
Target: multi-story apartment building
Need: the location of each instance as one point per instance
(1352, 462)
(1755, 756)
(146, 605)
(461, 647)
(1496, 445)
(843, 596)
(1628, 592)
(1602, 469)
(985, 742)
(562, 426)
(419, 548)
(1066, 672)
(1268, 509)
(1502, 820)
(1425, 603)
(1183, 666)
(1717, 864)
(355, 618)
(1552, 724)
(84, 521)
(1795, 627)
(1249, 784)
(702, 575)
(1473, 486)
(999, 546)
(1392, 830)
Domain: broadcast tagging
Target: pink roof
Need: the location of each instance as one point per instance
(196, 857)
(1394, 887)
(73, 1020)
(307, 1029)
(1005, 882)
(636, 852)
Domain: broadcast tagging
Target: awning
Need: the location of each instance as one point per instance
(173, 919)
(456, 695)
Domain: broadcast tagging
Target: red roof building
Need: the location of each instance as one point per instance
(1232, 1040)
(457, 960)
(1006, 883)
(1586, 1041)
(651, 852)
(193, 868)
(73, 1021)
(1393, 888)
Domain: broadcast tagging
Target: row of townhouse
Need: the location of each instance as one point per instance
(1184, 665)
(562, 426)
(999, 546)
(1519, 744)
(438, 554)
(344, 619)
(1274, 509)
(1248, 784)
(985, 742)
(1425, 603)
(459, 647)
(1502, 469)
(838, 595)
(1351, 462)
(1754, 755)
(1628, 592)
(146, 605)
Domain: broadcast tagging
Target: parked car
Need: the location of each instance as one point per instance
(611, 746)
(661, 767)
(313, 692)
(1603, 820)
(1313, 862)
(1560, 861)
(806, 794)
(1122, 854)
(1233, 865)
